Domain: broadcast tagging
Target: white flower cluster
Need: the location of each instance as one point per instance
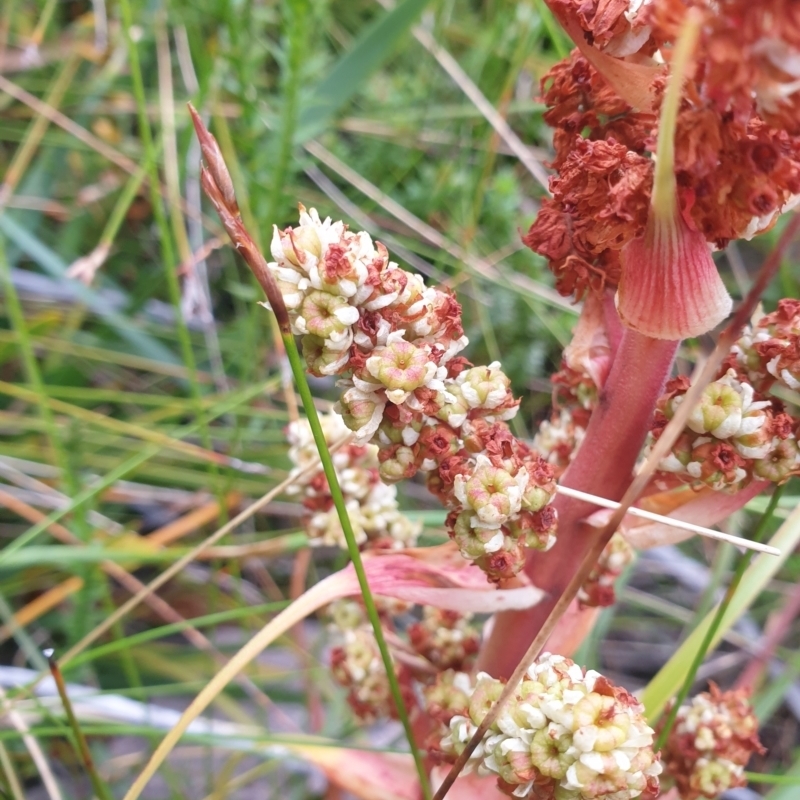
(769, 351)
(371, 504)
(395, 342)
(441, 642)
(566, 734)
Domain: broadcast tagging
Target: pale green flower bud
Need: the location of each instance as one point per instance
(484, 387)
(401, 367)
(719, 411)
(568, 733)
(491, 493)
(327, 316)
(780, 463)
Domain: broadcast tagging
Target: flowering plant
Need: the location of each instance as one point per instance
(675, 131)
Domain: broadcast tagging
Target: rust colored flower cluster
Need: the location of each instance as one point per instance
(737, 139)
(739, 432)
(371, 504)
(395, 342)
(710, 744)
(439, 641)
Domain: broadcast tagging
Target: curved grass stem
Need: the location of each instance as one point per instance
(699, 657)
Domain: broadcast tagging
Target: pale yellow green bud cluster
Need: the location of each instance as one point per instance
(769, 350)
(395, 342)
(733, 436)
(567, 734)
(559, 438)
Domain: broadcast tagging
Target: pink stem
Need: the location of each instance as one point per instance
(603, 466)
(777, 629)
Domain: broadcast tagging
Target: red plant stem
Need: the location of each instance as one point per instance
(603, 466)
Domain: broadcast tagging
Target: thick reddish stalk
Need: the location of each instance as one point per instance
(603, 466)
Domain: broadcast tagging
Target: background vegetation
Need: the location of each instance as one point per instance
(143, 406)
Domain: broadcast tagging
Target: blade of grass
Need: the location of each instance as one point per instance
(160, 632)
(179, 565)
(114, 357)
(754, 580)
(121, 470)
(33, 136)
(53, 265)
(126, 428)
(295, 22)
(370, 50)
(37, 756)
(716, 622)
(170, 264)
(14, 786)
(38, 395)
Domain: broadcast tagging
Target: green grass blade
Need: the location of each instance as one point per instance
(716, 620)
(304, 390)
(764, 567)
(369, 52)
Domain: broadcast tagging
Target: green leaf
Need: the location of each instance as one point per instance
(370, 51)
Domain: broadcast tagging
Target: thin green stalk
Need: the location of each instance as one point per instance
(307, 399)
(218, 186)
(29, 363)
(195, 623)
(99, 786)
(123, 203)
(741, 568)
(39, 394)
(32, 652)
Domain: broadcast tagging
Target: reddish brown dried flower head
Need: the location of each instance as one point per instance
(737, 137)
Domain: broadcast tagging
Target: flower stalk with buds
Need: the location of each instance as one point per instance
(218, 186)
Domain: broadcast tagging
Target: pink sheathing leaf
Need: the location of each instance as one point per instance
(632, 82)
(369, 776)
(705, 508)
(437, 582)
(669, 286)
(429, 577)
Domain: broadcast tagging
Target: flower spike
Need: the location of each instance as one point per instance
(669, 286)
